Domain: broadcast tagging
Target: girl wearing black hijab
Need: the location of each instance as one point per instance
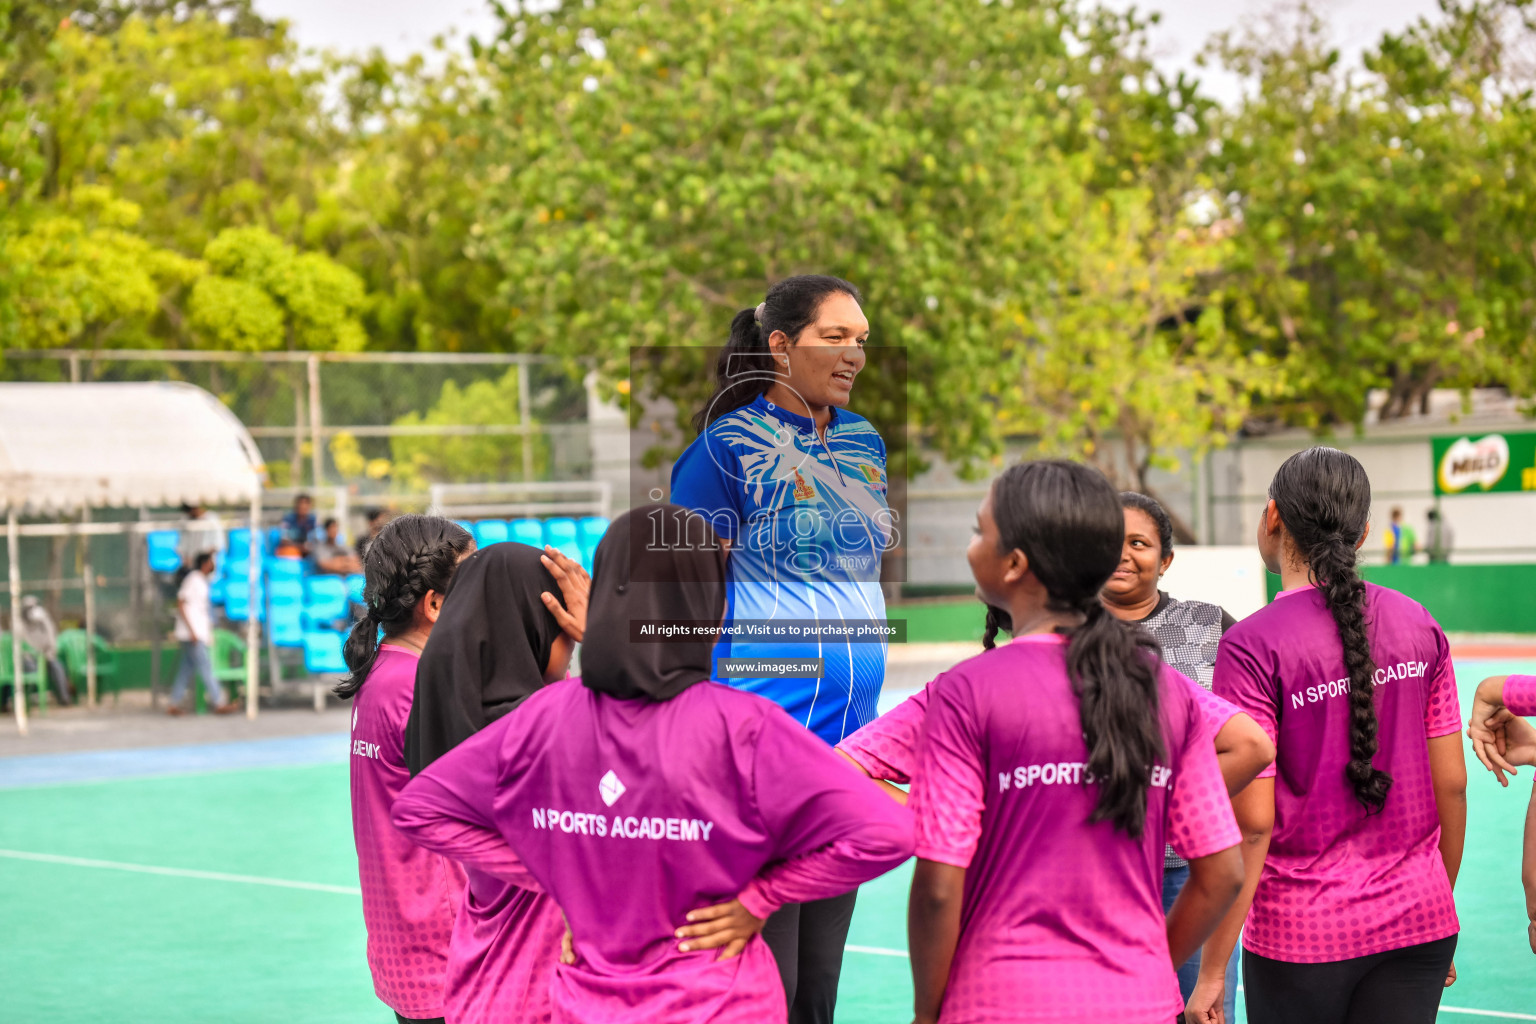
(501, 635)
(644, 792)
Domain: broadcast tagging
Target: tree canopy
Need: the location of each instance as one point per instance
(1064, 241)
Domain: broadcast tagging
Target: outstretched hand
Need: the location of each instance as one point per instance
(1502, 740)
(575, 586)
(724, 926)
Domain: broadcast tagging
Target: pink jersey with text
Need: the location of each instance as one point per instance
(410, 896)
(1340, 883)
(1520, 695)
(1062, 919)
(887, 748)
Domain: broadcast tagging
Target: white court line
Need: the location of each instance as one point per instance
(880, 951)
(876, 951)
(211, 876)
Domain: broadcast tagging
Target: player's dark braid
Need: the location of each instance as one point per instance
(1067, 521)
(1324, 499)
(997, 621)
(411, 556)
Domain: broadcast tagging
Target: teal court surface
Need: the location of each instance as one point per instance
(217, 883)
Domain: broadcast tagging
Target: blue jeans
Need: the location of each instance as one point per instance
(1173, 881)
(195, 656)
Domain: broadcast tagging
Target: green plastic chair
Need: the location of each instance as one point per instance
(72, 653)
(228, 665)
(37, 678)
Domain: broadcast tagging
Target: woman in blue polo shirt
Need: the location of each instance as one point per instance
(796, 486)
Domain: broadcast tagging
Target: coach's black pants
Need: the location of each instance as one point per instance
(1400, 986)
(807, 941)
(416, 1020)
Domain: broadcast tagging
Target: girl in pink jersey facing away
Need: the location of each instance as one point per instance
(410, 896)
(502, 637)
(1363, 815)
(1052, 771)
(644, 793)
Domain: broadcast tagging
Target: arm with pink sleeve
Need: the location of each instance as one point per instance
(1520, 695)
(887, 747)
(447, 808)
(833, 829)
(1199, 812)
(1442, 709)
(949, 796)
(1242, 679)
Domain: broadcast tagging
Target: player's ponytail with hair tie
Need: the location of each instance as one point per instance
(1067, 521)
(1324, 499)
(411, 556)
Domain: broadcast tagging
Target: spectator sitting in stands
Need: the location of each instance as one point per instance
(202, 531)
(298, 528)
(377, 517)
(332, 555)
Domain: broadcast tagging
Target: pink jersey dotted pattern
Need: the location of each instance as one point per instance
(1338, 882)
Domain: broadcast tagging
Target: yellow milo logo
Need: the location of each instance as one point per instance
(872, 474)
(1470, 463)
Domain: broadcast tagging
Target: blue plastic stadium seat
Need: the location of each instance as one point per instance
(285, 612)
(164, 550)
(237, 601)
(216, 588)
(240, 544)
(322, 653)
(590, 530)
(357, 583)
(325, 600)
(466, 524)
(560, 534)
(528, 531)
(490, 531)
(279, 568)
(273, 539)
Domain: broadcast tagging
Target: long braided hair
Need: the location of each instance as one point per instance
(1066, 518)
(410, 556)
(1324, 499)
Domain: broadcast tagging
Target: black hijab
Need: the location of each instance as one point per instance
(636, 579)
(486, 653)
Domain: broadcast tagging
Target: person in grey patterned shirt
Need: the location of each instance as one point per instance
(1189, 632)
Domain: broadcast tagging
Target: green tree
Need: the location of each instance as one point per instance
(262, 294)
(83, 277)
(664, 162)
(418, 461)
(1384, 213)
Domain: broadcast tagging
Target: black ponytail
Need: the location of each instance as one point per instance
(1067, 521)
(410, 556)
(1324, 499)
(745, 368)
(997, 619)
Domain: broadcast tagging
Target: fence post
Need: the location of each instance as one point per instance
(524, 419)
(13, 558)
(90, 610)
(316, 453)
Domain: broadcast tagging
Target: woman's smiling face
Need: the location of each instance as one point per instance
(1142, 561)
(823, 362)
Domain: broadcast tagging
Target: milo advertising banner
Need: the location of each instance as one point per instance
(1493, 462)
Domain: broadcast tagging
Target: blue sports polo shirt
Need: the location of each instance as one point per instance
(808, 523)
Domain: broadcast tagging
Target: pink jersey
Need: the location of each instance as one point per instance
(887, 748)
(1340, 883)
(1520, 695)
(1062, 919)
(631, 813)
(410, 896)
(506, 943)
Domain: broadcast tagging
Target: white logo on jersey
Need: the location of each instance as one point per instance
(610, 788)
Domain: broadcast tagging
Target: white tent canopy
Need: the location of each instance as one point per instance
(68, 448)
(64, 447)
